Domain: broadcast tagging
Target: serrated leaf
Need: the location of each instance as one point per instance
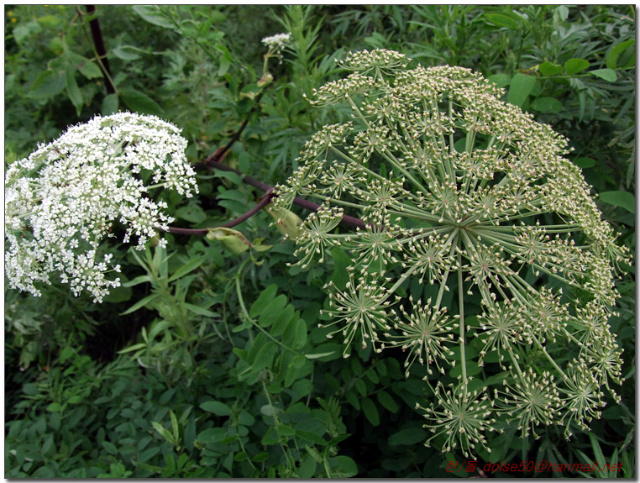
(48, 84)
(623, 199)
(520, 88)
(216, 407)
(605, 74)
(86, 67)
(573, 66)
(139, 102)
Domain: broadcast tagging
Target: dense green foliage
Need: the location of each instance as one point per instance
(208, 361)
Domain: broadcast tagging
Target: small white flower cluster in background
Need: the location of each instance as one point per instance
(63, 200)
(277, 41)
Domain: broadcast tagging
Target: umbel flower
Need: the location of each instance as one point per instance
(63, 200)
(472, 208)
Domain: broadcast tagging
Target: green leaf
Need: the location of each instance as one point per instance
(502, 20)
(109, 105)
(192, 213)
(163, 432)
(49, 21)
(521, 86)
(371, 411)
(110, 447)
(153, 15)
(282, 322)
(272, 311)
(190, 266)
(141, 303)
(317, 356)
(86, 67)
(387, 402)
(233, 240)
(623, 199)
(549, 69)
(199, 310)
(47, 85)
(175, 428)
(345, 467)
(259, 305)
(140, 102)
(264, 357)
(54, 407)
(340, 275)
(605, 74)
(408, 437)
(295, 335)
(619, 50)
(127, 52)
(216, 407)
(547, 104)
(73, 91)
(573, 66)
(585, 163)
(137, 281)
(501, 80)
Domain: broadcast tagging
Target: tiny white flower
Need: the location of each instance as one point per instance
(63, 200)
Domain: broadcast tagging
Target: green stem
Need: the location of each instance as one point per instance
(463, 359)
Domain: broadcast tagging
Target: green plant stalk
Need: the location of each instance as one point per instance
(463, 359)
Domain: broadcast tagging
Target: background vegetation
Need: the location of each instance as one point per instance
(253, 387)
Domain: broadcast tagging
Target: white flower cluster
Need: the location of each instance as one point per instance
(277, 41)
(62, 201)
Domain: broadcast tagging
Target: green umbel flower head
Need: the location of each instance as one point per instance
(470, 197)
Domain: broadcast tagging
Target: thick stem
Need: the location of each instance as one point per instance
(264, 201)
(98, 41)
